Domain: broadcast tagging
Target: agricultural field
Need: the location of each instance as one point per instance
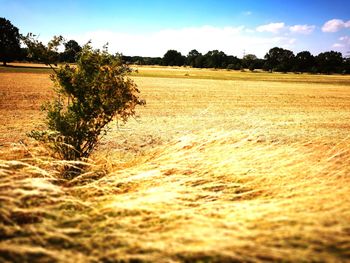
(219, 166)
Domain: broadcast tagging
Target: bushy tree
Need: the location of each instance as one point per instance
(173, 58)
(215, 59)
(9, 41)
(249, 61)
(37, 51)
(71, 51)
(234, 63)
(138, 60)
(279, 59)
(329, 62)
(88, 97)
(346, 64)
(192, 57)
(304, 62)
(199, 62)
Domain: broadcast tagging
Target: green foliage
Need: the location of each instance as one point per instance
(330, 61)
(249, 61)
(9, 41)
(39, 52)
(234, 66)
(89, 96)
(215, 59)
(279, 59)
(71, 51)
(192, 56)
(304, 61)
(173, 58)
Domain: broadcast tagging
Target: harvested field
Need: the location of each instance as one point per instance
(220, 166)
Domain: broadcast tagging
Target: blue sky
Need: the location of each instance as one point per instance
(150, 28)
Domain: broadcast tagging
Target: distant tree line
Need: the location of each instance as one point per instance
(11, 50)
(277, 59)
(138, 60)
(69, 55)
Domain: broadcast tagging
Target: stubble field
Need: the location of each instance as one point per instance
(220, 166)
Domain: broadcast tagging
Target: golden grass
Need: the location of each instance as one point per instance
(191, 73)
(212, 171)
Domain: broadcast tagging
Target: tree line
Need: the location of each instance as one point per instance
(11, 50)
(276, 59)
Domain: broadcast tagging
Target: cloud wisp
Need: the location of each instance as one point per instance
(231, 40)
(343, 44)
(280, 27)
(335, 25)
(247, 13)
(302, 29)
(271, 28)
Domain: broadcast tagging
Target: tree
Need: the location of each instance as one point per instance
(37, 51)
(88, 97)
(304, 61)
(192, 57)
(234, 63)
(215, 59)
(9, 41)
(23, 54)
(279, 59)
(173, 58)
(249, 61)
(71, 51)
(329, 62)
(346, 69)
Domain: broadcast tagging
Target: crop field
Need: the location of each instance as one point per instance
(219, 166)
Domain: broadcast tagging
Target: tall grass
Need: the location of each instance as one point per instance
(214, 171)
(210, 196)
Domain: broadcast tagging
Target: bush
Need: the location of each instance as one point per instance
(88, 97)
(234, 66)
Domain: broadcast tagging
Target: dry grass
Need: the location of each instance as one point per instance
(191, 73)
(212, 171)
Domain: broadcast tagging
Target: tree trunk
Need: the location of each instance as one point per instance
(4, 63)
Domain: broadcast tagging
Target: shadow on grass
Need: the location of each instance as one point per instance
(24, 69)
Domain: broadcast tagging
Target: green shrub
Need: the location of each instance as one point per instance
(89, 95)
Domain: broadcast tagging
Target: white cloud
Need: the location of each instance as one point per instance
(346, 39)
(231, 40)
(302, 29)
(272, 27)
(249, 30)
(338, 45)
(292, 41)
(247, 13)
(335, 25)
(343, 44)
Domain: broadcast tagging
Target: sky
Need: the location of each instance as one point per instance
(150, 28)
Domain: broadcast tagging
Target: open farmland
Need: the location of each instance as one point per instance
(219, 166)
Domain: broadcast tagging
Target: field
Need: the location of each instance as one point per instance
(219, 166)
